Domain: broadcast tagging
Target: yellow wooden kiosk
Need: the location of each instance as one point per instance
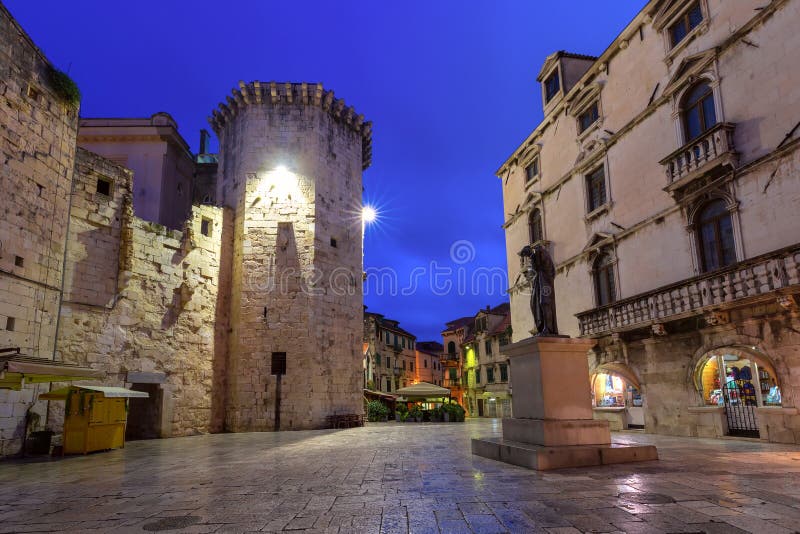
(94, 417)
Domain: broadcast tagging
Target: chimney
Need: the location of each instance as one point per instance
(204, 137)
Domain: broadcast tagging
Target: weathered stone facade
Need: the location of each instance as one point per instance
(141, 302)
(390, 355)
(193, 315)
(291, 157)
(674, 228)
(37, 150)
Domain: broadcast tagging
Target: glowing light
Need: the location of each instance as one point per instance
(369, 214)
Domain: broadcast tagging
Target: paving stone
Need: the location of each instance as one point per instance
(304, 482)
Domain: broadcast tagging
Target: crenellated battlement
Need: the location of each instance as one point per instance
(303, 94)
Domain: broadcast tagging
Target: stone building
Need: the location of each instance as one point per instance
(158, 156)
(664, 180)
(240, 312)
(476, 370)
(38, 125)
(429, 365)
(390, 358)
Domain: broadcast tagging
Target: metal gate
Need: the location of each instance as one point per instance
(740, 409)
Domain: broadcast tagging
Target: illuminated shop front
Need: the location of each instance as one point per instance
(738, 379)
(616, 397)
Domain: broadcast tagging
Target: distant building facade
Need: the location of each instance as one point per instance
(429, 365)
(390, 359)
(664, 181)
(474, 366)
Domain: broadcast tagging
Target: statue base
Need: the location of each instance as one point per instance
(553, 424)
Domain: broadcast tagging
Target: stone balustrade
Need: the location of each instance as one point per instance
(750, 279)
(699, 155)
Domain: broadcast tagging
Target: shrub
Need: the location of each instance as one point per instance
(415, 412)
(376, 411)
(65, 87)
(402, 408)
(455, 411)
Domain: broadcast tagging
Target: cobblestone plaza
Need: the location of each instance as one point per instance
(390, 477)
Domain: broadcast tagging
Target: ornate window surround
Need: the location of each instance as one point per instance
(670, 14)
(600, 244)
(692, 212)
(588, 96)
(525, 159)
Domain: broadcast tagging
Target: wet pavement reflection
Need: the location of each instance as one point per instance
(391, 477)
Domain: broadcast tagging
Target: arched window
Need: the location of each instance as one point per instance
(535, 226)
(715, 236)
(451, 348)
(698, 112)
(603, 272)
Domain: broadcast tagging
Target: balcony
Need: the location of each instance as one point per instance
(708, 155)
(452, 383)
(749, 281)
(450, 360)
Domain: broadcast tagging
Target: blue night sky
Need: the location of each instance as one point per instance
(450, 87)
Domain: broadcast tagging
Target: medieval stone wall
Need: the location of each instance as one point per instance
(290, 165)
(37, 148)
(141, 300)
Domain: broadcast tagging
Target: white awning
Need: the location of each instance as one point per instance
(423, 390)
(109, 392)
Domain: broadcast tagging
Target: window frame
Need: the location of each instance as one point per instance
(534, 163)
(594, 105)
(604, 277)
(685, 20)
(718, 239)
(589, 179)
(698, 105)
(554, 75)
(535, 216)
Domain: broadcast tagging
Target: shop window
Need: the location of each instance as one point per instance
(596, 189)
(535, 226)
(610, 390)
(685, 24)
(737, 380)
(698, 111)
(604, 283)
(532, 170)
(715, 236)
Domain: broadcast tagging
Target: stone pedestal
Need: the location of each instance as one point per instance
(553, 424)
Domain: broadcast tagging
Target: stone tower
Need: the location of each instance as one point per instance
(290, 162)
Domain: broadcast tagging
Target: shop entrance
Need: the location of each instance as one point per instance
(740, 380)
(144, 415)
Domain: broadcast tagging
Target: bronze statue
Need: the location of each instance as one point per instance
(540, 273)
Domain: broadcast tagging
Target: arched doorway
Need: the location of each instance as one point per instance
(617, 397)
(741, 380)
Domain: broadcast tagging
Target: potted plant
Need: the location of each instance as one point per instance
(399, 411)
(416, 414)
(377, 411)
